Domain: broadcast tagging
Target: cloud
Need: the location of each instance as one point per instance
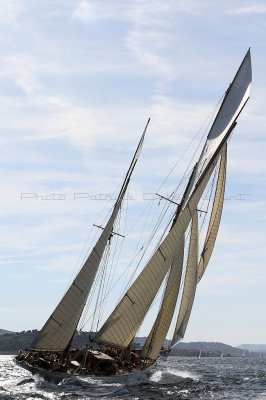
(10, 12)
(22, 68)
(256, 9)
(19, 276)
(76, 93)
(64, 281)
(25, 309)
(148, 38)
(84, 11)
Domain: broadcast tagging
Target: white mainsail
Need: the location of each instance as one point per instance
(154, 342)
(190, 283)
(215, 218)
(59, 329)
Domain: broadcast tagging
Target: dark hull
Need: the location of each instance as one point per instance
(57, 377)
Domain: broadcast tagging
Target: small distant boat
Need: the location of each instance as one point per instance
(109, 351)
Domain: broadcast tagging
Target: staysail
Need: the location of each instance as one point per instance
(154, 341)
(59, 329)
(190, 283)
(215, 218)
(122, 325)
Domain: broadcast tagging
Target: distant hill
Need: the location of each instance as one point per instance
(3, 332)
(203, 346)
(140, 340)
(253, 347)
(12, 342)
(210, 346)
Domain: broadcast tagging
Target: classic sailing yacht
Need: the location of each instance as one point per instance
(174, 266)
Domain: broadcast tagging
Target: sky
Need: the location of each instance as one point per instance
(78, 81)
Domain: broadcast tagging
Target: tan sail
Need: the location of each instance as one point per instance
(215, 216)
(122, 325)
(59, 329)
(154, 342)
(190, 283)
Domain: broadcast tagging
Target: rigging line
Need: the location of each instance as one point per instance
(90, 298)
(117, 249)
(112, 265)
(210, 116)
(77, 266)
(84, 323)
(102, 223)
(119, 252)
(92, 292)
(106, 205)
(80, 261)
(182, 280)
(125, 208)
(155, 300)
(95, 286)
(178, 303)
(209, 195)
(157, 225)
(187, 171)
(102, 275)
(123, 273)
(107, 282)
(155, 303)
(149, 240)
(209, 190)
(182, 180)
(159, 296)
(147, 245)
(101, 289)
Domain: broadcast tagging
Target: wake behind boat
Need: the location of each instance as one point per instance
(175, 266)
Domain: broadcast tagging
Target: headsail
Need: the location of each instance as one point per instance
(190, 283)
(216, 214)
(154, 342)
(59, 329)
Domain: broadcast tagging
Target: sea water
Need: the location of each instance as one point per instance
(171, 378)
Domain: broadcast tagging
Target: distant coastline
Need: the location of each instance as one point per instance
(12, 342)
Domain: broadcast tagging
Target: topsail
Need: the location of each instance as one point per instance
(234, 100)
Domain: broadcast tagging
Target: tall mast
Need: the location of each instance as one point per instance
(58, 331)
